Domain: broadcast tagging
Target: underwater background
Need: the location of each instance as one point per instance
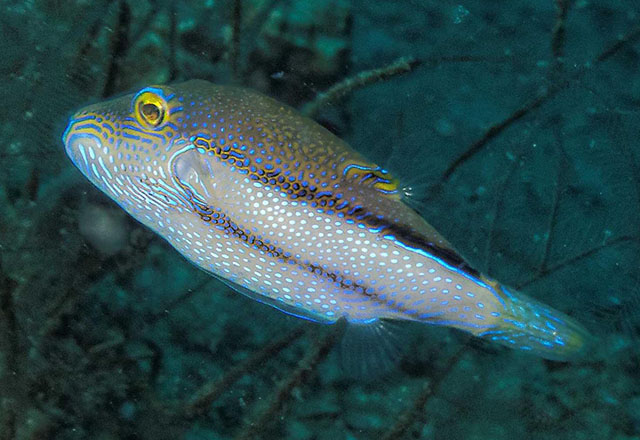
(516, 125)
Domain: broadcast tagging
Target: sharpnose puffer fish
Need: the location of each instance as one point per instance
(282, 210)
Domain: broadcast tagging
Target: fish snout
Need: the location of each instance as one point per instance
(82, 143)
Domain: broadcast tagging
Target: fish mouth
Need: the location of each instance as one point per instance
(82, 149)
(80, 139)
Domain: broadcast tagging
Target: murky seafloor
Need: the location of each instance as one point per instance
(514, 123)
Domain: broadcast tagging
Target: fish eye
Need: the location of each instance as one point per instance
(150, 109)
(151, 112)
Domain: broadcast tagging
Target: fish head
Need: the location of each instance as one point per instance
(150, 151)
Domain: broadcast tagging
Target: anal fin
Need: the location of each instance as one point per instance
(370, 350)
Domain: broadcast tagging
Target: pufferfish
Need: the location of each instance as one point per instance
(282, 210)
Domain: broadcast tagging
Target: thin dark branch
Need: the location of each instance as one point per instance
(11, 368)
(568, 262)
(234, 52)
(555, 202)
(312, 358)
(78, 67)
(7, 310)
(32, 185)
(499, 127)
(62, 306)
(553, 220)
(254, 24)
(8, 422)
(188, 294)
(498, 209)
(627, 39)
(559, 28)
(552, 90)
(173, 41)
(463, 59)
(627, 153)
(145, 23)
(398, 67)
(430, 388)
(209, 392)
(358, 81)
(119, 47)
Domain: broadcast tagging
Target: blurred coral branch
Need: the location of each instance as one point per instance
(559, 28)
(173, 41)
(10, 349)
(415, 412)
(574, 259)
(306, 366)
(358, 81)
(119, 48)
(209, 392)
(234, 50)
(549, 92)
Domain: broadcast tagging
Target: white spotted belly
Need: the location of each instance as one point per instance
(324, 264)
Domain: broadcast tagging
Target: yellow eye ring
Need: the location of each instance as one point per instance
(150, 109)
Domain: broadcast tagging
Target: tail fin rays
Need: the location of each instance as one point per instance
(529, 325)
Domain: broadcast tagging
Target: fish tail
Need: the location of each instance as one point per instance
(527, 324)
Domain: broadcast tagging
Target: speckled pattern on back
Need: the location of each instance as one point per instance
(254, 193)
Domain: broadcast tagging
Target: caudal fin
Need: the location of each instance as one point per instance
(526, 324)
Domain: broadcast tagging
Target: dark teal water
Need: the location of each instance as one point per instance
(517, 127)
